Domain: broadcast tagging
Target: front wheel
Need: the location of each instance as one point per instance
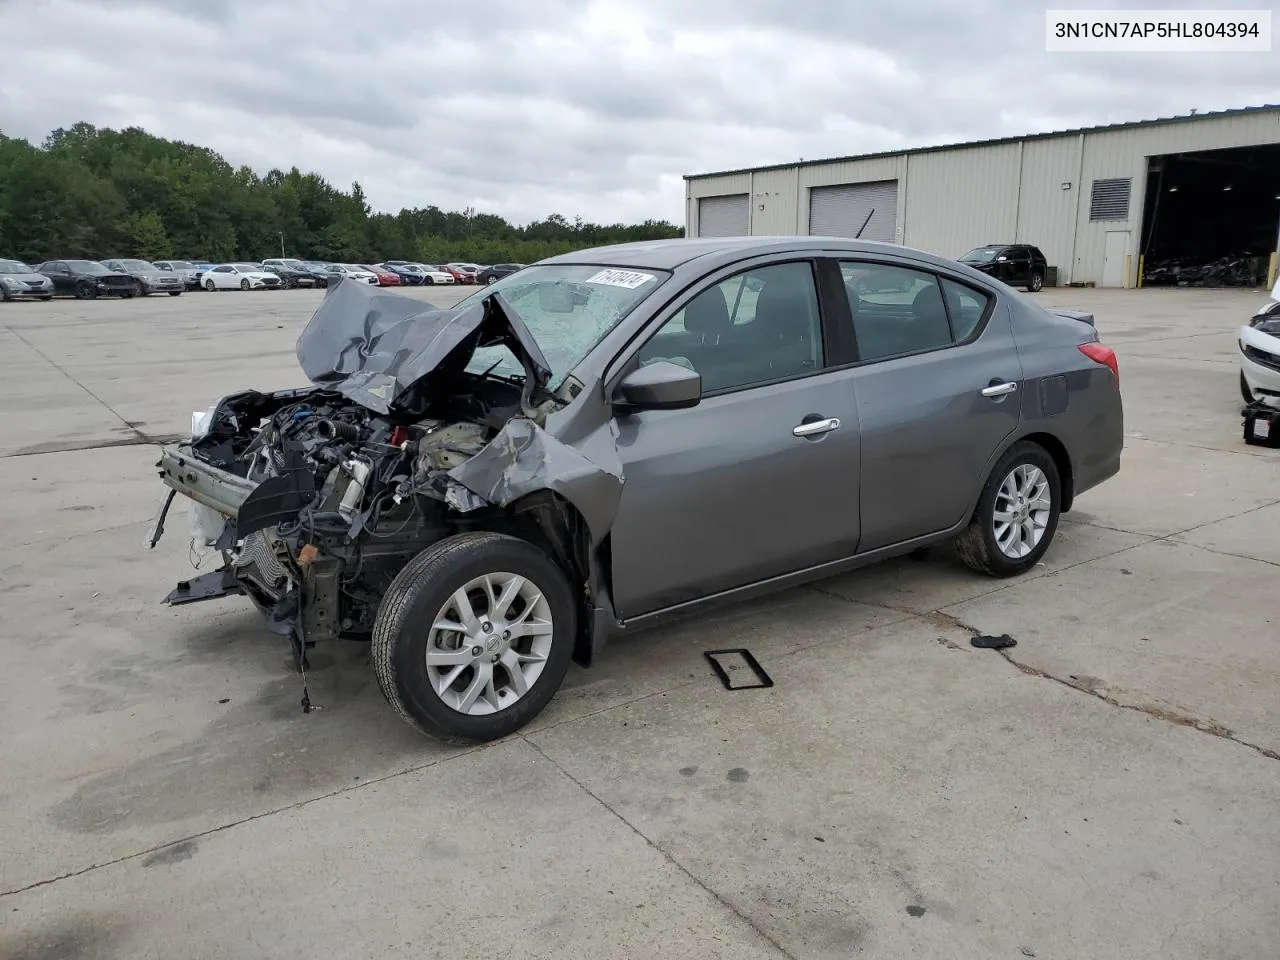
(86, 290)
(208, 285)
(489, 281)
(1016, 516)
(1036, 283)
(244, 284)
(474, 637)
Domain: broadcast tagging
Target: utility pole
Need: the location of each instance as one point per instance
(282, 246)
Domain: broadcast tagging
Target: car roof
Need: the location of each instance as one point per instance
(670, 254)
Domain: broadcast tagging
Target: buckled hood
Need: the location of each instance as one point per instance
(389, 352)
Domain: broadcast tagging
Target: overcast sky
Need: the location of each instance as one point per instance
(528, 107)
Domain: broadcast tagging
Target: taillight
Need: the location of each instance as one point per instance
(1103, 355)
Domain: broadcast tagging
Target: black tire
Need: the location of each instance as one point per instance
(208, 285)
(86, 291)
(175, 293)
(291, 284)
(411, 602)
(47, 297)
(976, 545)
(428, 282)
(143, 292)
(1036, 283)
(4, 294)
(244, 284)
(1245, 392)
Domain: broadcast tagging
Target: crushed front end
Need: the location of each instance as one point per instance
(320, 502)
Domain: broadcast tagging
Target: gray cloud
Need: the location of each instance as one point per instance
(583, 107)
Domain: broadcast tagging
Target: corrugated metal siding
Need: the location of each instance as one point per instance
(1047, 212)
(773, 203)
(961, 200)
(852, 209)
(952, 200)
(724, 216)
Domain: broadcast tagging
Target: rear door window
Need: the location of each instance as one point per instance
(901, 310)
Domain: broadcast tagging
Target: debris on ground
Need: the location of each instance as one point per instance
(1001, 642)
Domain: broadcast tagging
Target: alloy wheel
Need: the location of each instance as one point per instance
(1022, 509)
(489, 643)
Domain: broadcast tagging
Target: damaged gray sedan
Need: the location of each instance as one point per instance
(613, 437)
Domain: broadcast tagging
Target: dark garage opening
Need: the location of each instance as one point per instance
(1211, 218)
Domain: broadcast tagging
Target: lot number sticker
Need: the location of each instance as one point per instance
(621, 278)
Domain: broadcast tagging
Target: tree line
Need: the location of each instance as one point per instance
(92, 193)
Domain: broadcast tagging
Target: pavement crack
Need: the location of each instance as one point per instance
(1097, 690)
(755, 927)
(298, 805)
(53, 363)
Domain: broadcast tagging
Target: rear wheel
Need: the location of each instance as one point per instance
(1036, 283)
(474, 637)
(490, 280)
(1245, 392)
(1016, 516)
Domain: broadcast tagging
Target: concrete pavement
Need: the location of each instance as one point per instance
(1108, 788)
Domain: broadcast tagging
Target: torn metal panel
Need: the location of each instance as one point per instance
(523, 459)
(383, 350)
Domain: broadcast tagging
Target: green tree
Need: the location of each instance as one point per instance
(95, 192)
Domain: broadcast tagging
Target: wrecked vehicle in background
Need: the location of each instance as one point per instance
(451, 485)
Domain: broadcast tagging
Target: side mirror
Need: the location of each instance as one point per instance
(661, 385)
(1001, 259)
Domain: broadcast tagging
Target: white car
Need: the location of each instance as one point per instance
(239, 276)
(434, 274)
(352, 272)
(1259, 341)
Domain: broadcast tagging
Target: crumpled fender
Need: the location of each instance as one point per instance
(523, 459)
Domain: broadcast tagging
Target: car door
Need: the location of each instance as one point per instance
(937, 383)
(1022, 266)
(761, 477)
(63, 282)
(224, 277)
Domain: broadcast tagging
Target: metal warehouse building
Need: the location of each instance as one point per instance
(1123, 205)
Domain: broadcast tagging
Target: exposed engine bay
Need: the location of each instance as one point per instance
(316, 498)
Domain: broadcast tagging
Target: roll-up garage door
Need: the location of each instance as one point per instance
(841, 211)
(724, 216)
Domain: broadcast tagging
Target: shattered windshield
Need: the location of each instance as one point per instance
(567, 308)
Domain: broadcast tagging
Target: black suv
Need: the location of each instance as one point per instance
(1017, 264)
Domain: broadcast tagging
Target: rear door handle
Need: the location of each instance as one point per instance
(999, 389)
(816, 427)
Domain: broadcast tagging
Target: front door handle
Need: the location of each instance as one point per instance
(815, 427)
(999, 389)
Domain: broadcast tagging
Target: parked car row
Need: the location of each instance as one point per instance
(129, 277)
